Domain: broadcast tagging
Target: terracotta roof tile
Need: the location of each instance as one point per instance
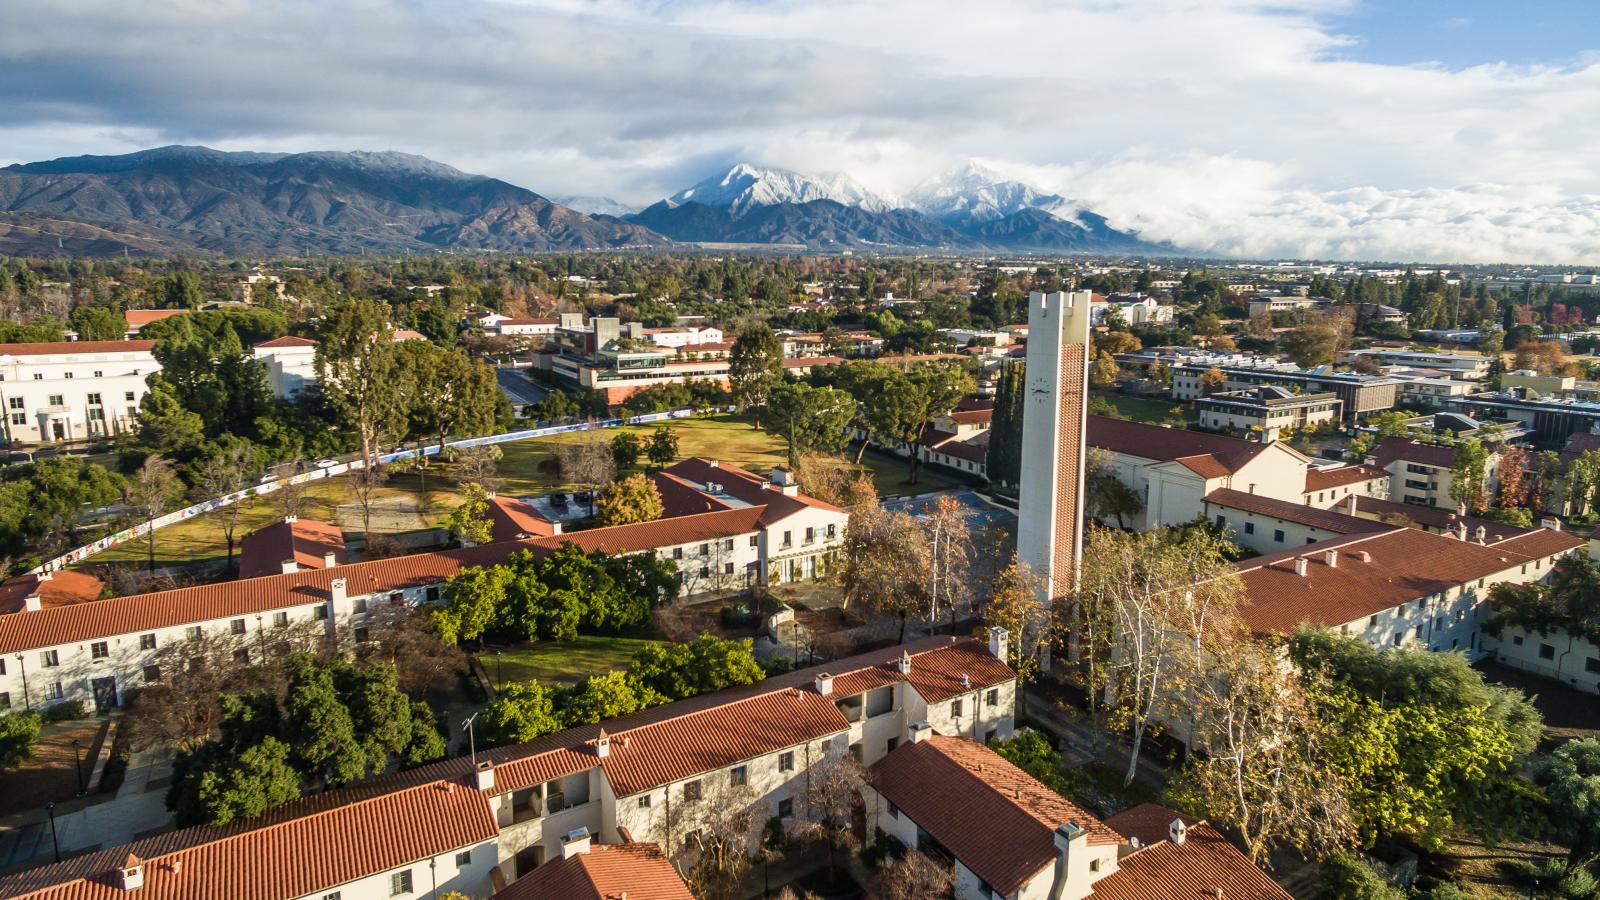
(689, 529)
(1223, 454)
(264, 551)
(973, 416)
(75, 347)
(138, 318)
(1324, 479)
(746, 486)
(1541, 543)
(281, 859)
(1403, 564)
(681, 498)
(1324, 519)
(1391, 449)
(1204, 867)
(1432, 518)
(287, 340)
(606, 872)
(510, 517)
(996, 819)
(62, 588)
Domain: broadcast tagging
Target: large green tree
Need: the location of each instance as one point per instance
(810, 419)
(359, 372)
(1003, 459)
(755, 367)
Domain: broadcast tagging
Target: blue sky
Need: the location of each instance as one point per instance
(1461, 33)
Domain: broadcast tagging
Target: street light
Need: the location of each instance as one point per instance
(499, 671)
(54, 841)
(77, 762)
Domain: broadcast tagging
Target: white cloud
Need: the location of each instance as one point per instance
(1236, 125)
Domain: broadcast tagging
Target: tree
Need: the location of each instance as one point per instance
(587, 460)
(231, 467)
(755, 367)
(1105, 496)
(1103, 374)
(835, 787)
(602, 697)
(223, 788)
(914, 876)
(625, 450)
(470, 523)
(97, 323)
(365, 483)
(930, 392)
(1003, 457)
(883, 561)
(319, 728)
(1313, 343)
(1345, 877)
(810, 419)
(1512, 469)
(947, 540)
(151, 493)
(520, 712)
(479, 465)
(165, 425)
(1212, 380)
(472, 598)
(1015, 603)
(451, 392)
(1571, 780)
(180, 290)
(18, 732)
(630, 500)
(707, 663)
(663, 447)
(359, 373)
(1543, 357)
(1469, 476)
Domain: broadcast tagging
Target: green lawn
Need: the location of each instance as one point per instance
(563, 662)
(890, 474)
(1157, 410)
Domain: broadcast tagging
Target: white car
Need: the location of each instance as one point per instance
(327, 463)
(267, 478)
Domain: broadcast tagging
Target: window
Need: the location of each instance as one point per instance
(99, 374)
(2, 666)
(811, 535)
(894, 811)
(1249, 528)
(992, 698)
(1591, 664)
(92, 399)
(832, 530)
(644, 801)
(432, 594)
(54, 691)
(99, 650)
(19, 418)
(691, 790)
(320, 614)
(890, 744)
(1277, 535)
(727, 544)
(242, 655)
(55, 400)
(280, 619)
(127, 396)
(755, 540)
(1372, 620)
(727, 568)
(677, 553)
(38, 377)
(50, 659)
(1547, 651)
(788, 540)
(14, 402)
(705, 549)
(67, 375)
(5, 699)
(739, 776)
(955, 708)
(152, 674)
(192, 632)
(1399, 636)
(1417, 631)
(785, 808)
(1517, 641)
(236, 626)
(362, 634)
(331, 896)
(146, 642)
(463, 859)
(1222, 521)
(705, 571)
(400, 883)
(1094, 865)
(360, 605)
(786, 758)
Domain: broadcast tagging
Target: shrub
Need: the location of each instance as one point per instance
(65, 712)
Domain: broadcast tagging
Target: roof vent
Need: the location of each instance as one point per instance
(602, 744)
(904, 664)
(966, 680)
(1178, 832)
(483, 777)
(1482, 534)
(824, 684)
(1363, 555)
(1331, 557)
(1300, 566)
(131, 876)
(32, 602)
(290, 519)
(290, 566)
(920, 731)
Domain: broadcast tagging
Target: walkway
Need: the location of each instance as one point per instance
(95, 821)
(1082, 744)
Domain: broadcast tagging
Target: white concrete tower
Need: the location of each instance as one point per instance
(1050, 518)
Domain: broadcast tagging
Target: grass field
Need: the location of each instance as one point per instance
(1144, 409)
(563, 662)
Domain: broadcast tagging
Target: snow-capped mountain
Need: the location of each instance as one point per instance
(974, 194)
(596, 206)
(746, 186)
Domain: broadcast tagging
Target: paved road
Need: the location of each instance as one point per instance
(518, 387)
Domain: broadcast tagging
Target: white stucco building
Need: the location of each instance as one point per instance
(70, 390)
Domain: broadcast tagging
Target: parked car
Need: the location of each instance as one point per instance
(267, 478)
(559, 501)
(327, 463)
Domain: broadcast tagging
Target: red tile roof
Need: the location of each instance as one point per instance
(61, 588)
(606, 872)
(264, 551)
(1323, 519)
(681, 498)
(1432, 518)
(1541, 543)
(973, 448)
(510, 518)
(1205, 866)
(709, 526)
(1391, 449)
(1403, 564)
(281, 859)
(996, 819)
(47, 348)
(803, 362)
(747, 487)
(287, 340)
(1324, 479)
(1210, 455)
(973, 416)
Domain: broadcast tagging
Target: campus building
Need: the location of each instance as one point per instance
(1359, 394)
(1265, 412)
(72, 390)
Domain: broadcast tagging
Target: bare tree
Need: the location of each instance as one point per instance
(1014, 603)
(914, 876)
(478, 464)
(365, 482)
(588, 461)
(289, 499)
(885, 562)
(948, 542)
(151, 493)
(711, 837)
(404, 637)
(230, 469)
(834, 797)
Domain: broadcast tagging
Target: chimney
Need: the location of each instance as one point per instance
(1482, 534)
(966, 680)
(1331, 557)
(824, 684)
(602, 744)
(1363, 555)
(1461, 531)
(1068, 836)
(1550, 522)
(46, 575)
(329, 559)
(999, 638)
(131, 876)
(711, 463)
(919, 731)
(290, 566)
(32, 602)
(574, 842)
(290, 519)
(1350, 505)
(336, 589)
(1300, 566)
(1252, 487)
(483, 777)
(904, 663)
(1177, 832)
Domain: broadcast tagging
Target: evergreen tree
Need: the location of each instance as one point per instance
(1004, 455)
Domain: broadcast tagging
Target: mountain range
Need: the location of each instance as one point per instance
(197, 200)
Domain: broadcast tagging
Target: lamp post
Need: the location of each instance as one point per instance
(499, 671)
(77, 762)
(54, 840)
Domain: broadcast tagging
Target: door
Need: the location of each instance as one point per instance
(105, 695)
(529, 858)
(58, 431)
